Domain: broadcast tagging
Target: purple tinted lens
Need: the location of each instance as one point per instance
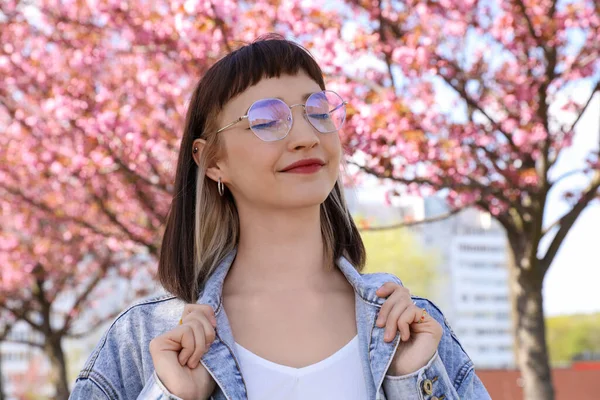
(270, 119)
(326, 111)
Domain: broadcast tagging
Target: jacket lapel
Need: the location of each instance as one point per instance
(376, 354)
(220, 359)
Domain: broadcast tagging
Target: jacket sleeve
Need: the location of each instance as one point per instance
(89, 389)
(449, 375)
(155, 390)
(433, 381)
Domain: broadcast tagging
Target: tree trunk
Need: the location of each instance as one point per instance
(56, 355)
(529, 328)
(2, 397)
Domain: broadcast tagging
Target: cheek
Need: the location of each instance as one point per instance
(251, 165)
(333, 146)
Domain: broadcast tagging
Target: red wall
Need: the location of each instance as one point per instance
(580, 382)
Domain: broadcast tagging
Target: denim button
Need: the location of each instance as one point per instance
(427, 387)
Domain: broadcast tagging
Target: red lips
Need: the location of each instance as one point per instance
(303, 163)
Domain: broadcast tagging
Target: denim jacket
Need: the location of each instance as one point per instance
(120, 367)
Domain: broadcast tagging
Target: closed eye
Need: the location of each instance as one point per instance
(266, 125)
(325, 115)
(319, 116)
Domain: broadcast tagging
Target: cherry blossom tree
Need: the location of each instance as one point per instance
(55, 275)
(509, 68)
(91, 102)
(94, 94)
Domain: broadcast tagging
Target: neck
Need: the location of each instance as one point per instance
(280, 250)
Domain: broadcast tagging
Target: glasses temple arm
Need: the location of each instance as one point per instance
(233, 123)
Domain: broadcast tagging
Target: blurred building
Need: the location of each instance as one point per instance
(473, 291)
(17, 362)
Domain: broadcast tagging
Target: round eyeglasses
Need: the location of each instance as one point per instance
(271, 119)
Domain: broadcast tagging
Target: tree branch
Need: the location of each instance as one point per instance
(26, 342)
(437, 218)
(473, 184)
(142, 196)
(113, 218)
(529, 23)
(49, 211)
(398, 33)
(84, 295)
(420, 181)
(567, 221)
(135, 175)
(566, 175)
(93, 327)
(21, 315)
(587, 103)
(386, 54)
(470, 101)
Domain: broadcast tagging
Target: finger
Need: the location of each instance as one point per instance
(384, 311)
(410, 315)
(202, 317)
(186, 338)
(400, 295)
(391, 324)
(208, 334)
(169, 341)
(210, 314)
(203, 308)
(199, 343)
(386, 289)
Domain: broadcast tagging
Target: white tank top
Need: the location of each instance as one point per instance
(339, 376)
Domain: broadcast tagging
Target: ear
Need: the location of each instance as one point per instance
(213, 171)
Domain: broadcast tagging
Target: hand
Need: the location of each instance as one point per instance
(176, 354)
(418, 340)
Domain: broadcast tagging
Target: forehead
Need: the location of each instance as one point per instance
(292, 89)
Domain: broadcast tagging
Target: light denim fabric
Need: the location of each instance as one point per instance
(120, 367)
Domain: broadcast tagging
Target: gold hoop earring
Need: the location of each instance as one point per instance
(220, 187)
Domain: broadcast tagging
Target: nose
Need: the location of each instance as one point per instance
(302, 134)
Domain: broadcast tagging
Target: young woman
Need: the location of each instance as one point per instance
(263, 263)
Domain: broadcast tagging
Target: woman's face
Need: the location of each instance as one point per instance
(252, 168)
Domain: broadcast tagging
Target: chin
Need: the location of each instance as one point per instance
(306, 198)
